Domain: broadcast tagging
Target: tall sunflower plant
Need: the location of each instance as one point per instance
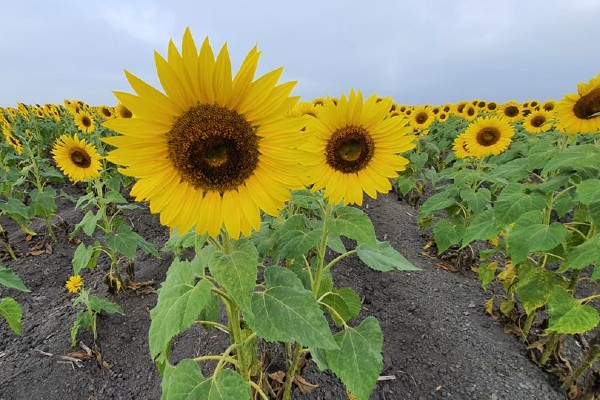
(258, 200)
(103, 222)
(531, 205)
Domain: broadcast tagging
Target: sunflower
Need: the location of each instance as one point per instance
(548, 105)
(105, 112)
(74, 284)
(122, 111)
(510, 111)
(11, 139)
(421, 118)
(470, 112)
(460, 147)
(305, 108)
(488, 136)
(538, 121)
(77, 159)
(580, 112)
(84, 122)
(213, 151)
(353, 147)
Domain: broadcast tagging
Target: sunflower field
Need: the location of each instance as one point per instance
(261, 193)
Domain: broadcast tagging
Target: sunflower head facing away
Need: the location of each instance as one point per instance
(580, 112)
(488, 136)
(353, 147)
(77, 159)
(213, 150)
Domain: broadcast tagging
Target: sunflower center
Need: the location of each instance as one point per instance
(538, 121)
(81, 158)
(511, 111)
(213, 148)
(588, 105)
(86, 121)
(488, 136)
(421, 118)
(350, 149)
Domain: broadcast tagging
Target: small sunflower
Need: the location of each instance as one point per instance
(354, 147)
(460, 147)
(122, 111)
(84, 122)
(538, 121)
(77, 159)
(548, 105)
(470, 112)
(213, 151)
(510, 111)
(74, 284)
(580, 112)
(105, 112)
(488, 136)
(421, 118)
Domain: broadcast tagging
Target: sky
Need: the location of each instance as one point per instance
(417, 52)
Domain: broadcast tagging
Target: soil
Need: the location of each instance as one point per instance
(438, 341)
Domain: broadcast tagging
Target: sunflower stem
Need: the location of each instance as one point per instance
(550, 346)
(291, 374)
(592, 355)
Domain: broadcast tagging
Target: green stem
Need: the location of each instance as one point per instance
(291, 374)
(574, 279)
(258, 390)
(592, 355)
(321, 251)
(219, 358)
(339, 258)
(527, 326)
(550, 346)
(237, 339)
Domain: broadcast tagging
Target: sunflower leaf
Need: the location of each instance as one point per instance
(9, 279)
(534, 286)
(352, 223)
(10, 310)
(383, 257)
(568, 315)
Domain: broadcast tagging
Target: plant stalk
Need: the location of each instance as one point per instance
(592, 355)
(291, 374)
(550, 346)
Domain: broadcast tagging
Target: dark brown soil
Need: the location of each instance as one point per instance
(438, 342)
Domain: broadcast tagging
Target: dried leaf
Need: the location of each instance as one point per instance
(304, 386)
(446, 266)
(278, 377)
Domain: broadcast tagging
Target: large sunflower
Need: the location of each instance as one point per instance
(213, 151)
(77, 159)
(580, 112)
(488, 136)
(354, 147)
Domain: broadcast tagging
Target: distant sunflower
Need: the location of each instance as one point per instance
(11, 139)
(442, 117)
(354, 147)
(510, 111)
(470, 112)
(580, 112)
(213, 151)
(491, 106)
(74, 283)
(84, 122)
(460, 147)
(421, 118)
(122, 111)
(488, 136)
(77, 159)
(548, 105)
(538, 121)
(105, 112)
(305, 108)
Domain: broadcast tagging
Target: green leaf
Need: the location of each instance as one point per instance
(125, 241)
(88, 223)
(574, 158)
(587, 253)
(98, 305)
(345, 302)
(10, 310)
(534, 285)
(487, 273)
(514, 202)
(82, 320)
(568, 315)
(15, 207)
(513, 171)
(477, 201)
(286, 312)
(484, 226)
(186, 382)
(528, 237)
(237, 271)
(9, 279)
(296, 243)
(447, 233)
(383, 257)
(437, 202)
(82, 258)
(335, 243)
(564, 204)
(358, 360)
(352, 223)
(587, 191)
(44, 201)
(180, 301)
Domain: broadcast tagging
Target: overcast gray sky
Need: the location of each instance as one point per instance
(419, 51)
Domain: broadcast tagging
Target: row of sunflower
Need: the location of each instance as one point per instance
(254, 181)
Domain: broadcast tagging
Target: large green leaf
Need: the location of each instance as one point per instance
(436, 202)
(585, 254)
(352, 223)
(180, 302)
(286, 312)
(574, 158)
(9, 279)
(16, 207)
(296, 243)
(358, 360)
(88, 223)
(345, 302)
(82, 257)
(237, 271)
(568, 315)
(528, 238)
(446, 233)
(587, 191)
(477, 201)
(511, 171)
(383, 257)
(125, 241)
(534, 286)
(514, 202)
(44, 201)
(11, 311)
(185, 382)
(484, 226)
